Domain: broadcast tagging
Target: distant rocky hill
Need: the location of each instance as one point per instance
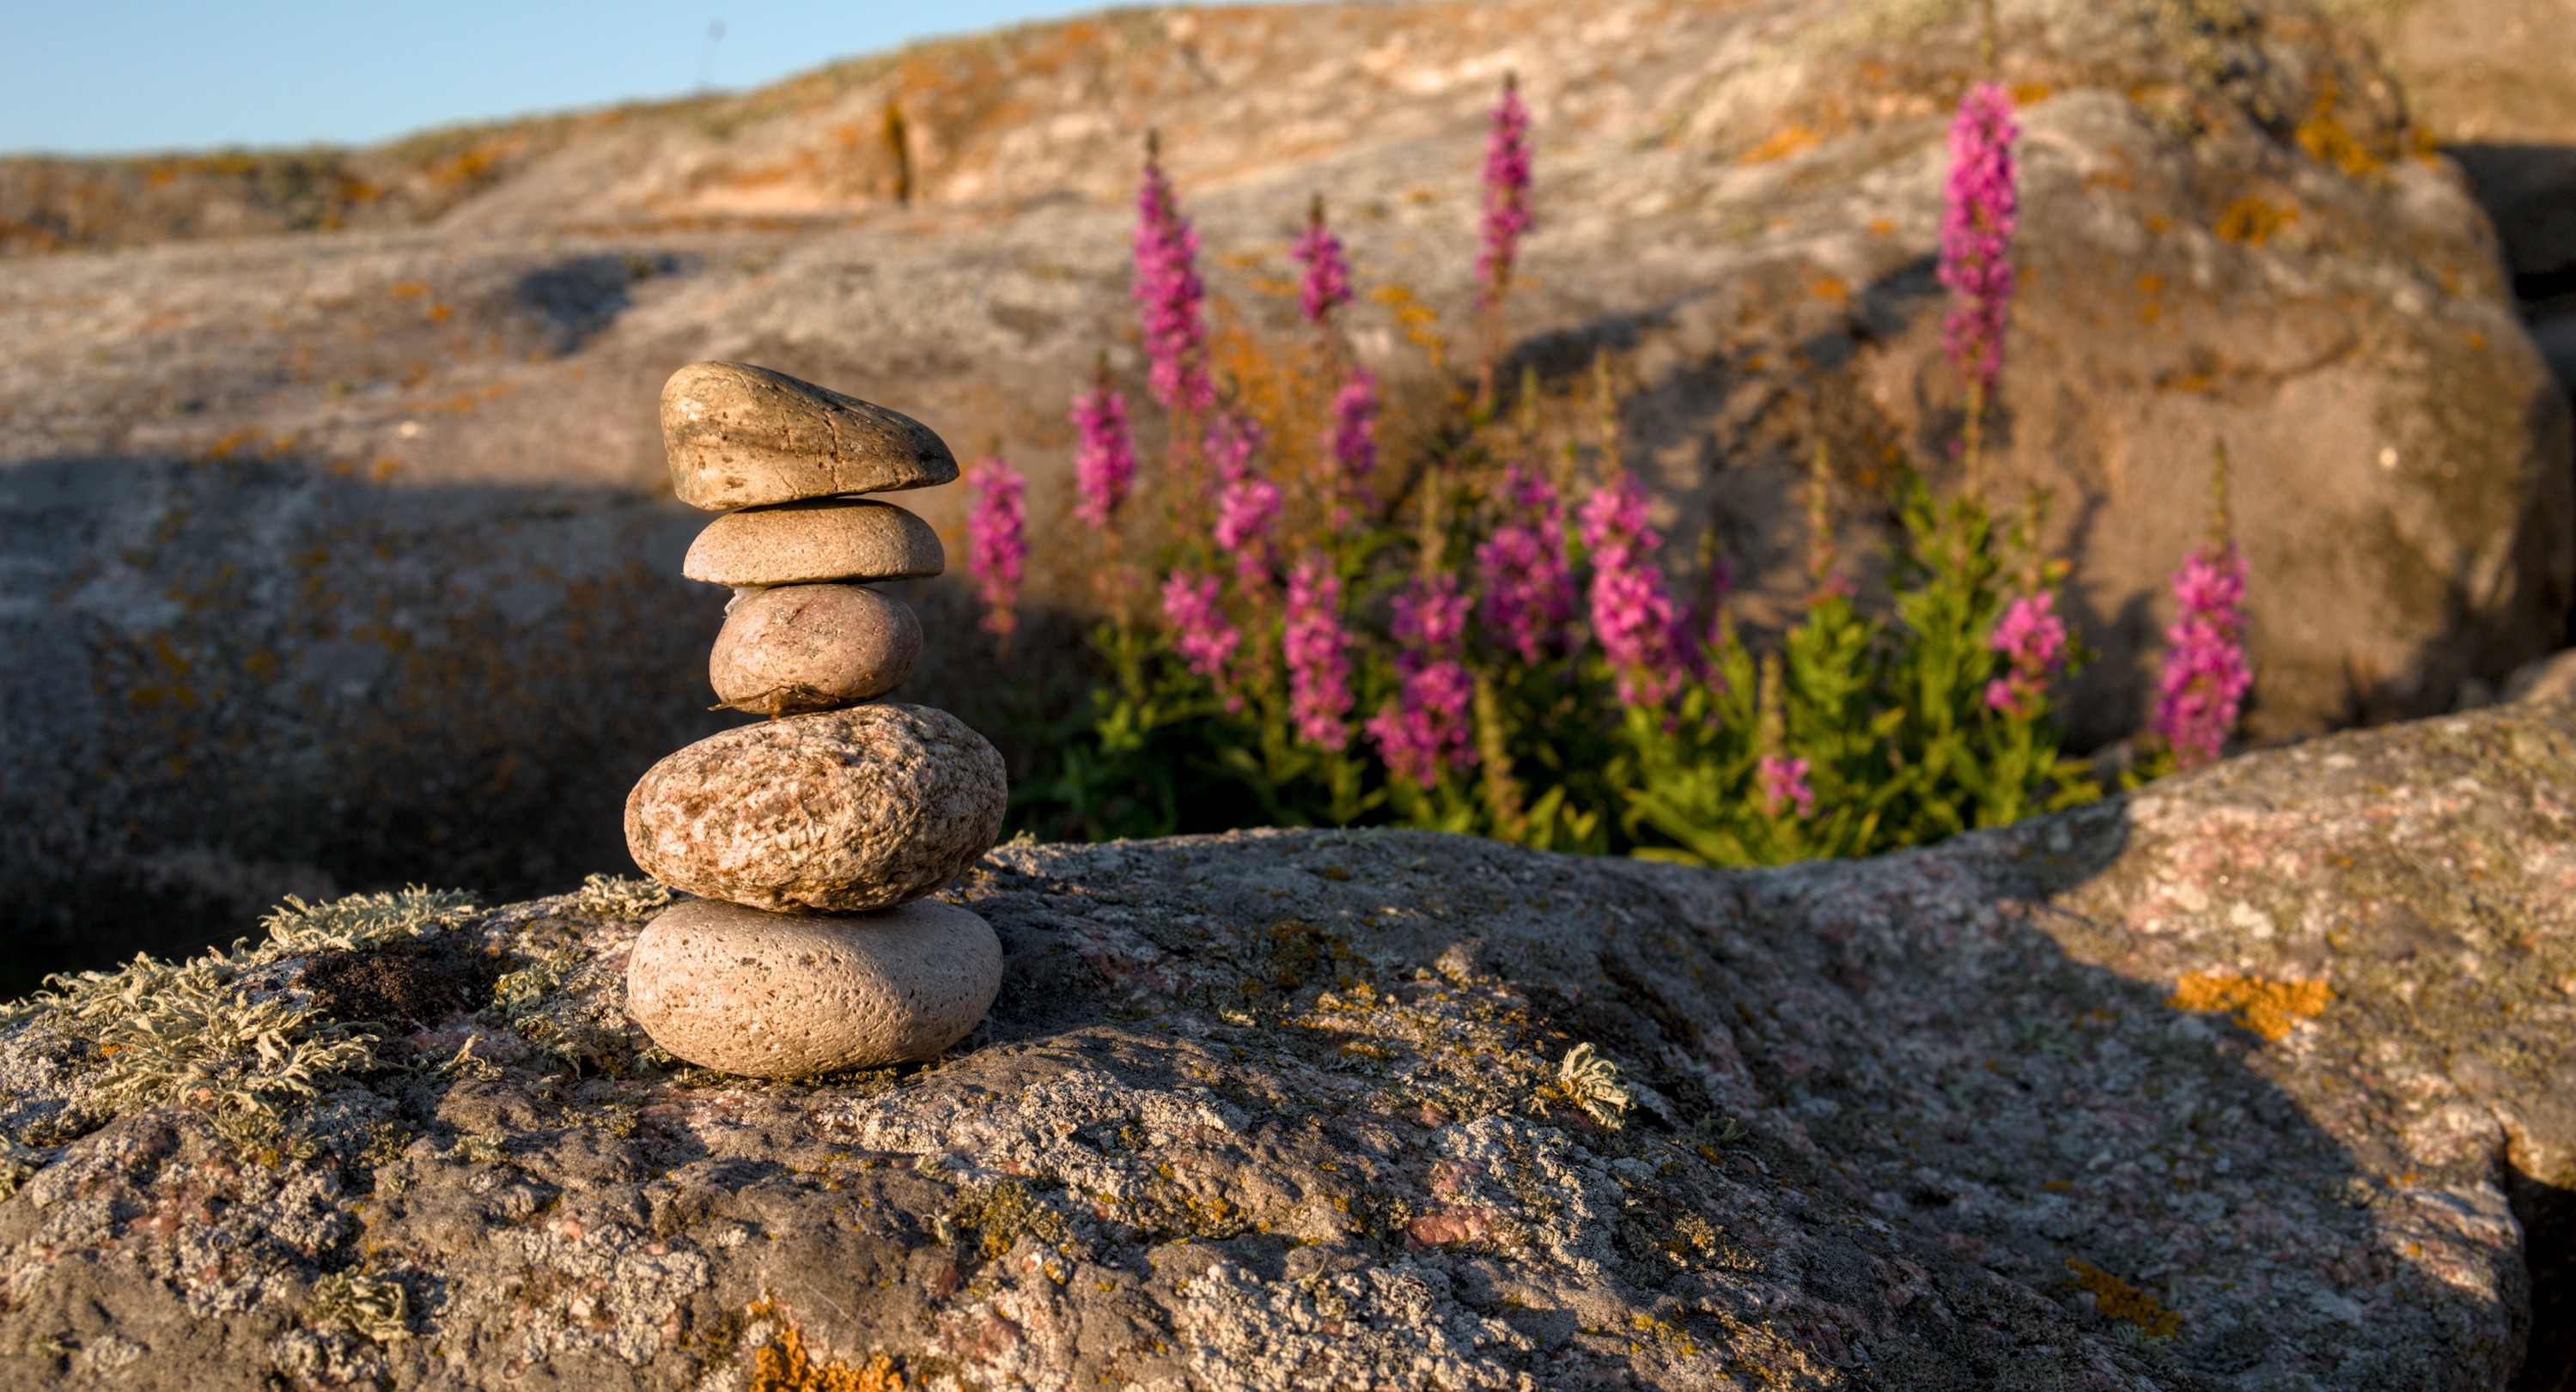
(331, 518)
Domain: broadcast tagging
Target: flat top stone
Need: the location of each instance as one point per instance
(816, 540)
(740, 436)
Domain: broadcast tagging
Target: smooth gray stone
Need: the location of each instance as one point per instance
(739, 436)
(818, 540)
(804, 648)
(771, 995)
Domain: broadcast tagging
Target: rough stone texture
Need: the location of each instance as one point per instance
(841, 812)
(1279, 1110)
(741, 436)
(789, 995)
(1738, 197)
(804, 648)
(801, 543)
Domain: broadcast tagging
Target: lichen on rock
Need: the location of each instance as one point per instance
(1291, 1109)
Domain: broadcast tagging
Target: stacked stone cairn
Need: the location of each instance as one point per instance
(813, 836)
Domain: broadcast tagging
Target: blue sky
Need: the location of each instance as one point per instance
(113, 76)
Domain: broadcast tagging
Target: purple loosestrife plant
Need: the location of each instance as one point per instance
(1426, 728)
(2032, 640)
(1326, 284)
(1632, 615)
(1319, 665)
(1171, 300)
(1528, 589)
(1784, 786)
(1247, 501)
(1201, 633)
(996, 541)
(1104, 460)
(1980, 211)
(2206, 675)
(1507, 219)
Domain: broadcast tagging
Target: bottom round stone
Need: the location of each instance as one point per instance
(771, 995)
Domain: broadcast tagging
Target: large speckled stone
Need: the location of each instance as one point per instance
(785, 995)
(843, 811)
(812, 648)
(740, 436)
(821, 539)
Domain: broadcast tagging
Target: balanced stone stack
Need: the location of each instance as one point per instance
(814, 836)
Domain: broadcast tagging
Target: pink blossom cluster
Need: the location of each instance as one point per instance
(1170, 298)
(1426, 726)
(1326, 284)
(1632, 615)
(1319, 665)
(1978, 217)
(1247, 501)
(1507, 186)
(2206, 675)
(996, 541)
(1528, 589)
(1353, 440)
(1104, 459)
(1783, 782)
(1201, 634)
(2032, 638)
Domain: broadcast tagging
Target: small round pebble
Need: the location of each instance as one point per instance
(809, 542)
(802, 648)
(772, 995)
(842, 812)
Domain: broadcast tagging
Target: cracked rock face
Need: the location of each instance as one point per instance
(1297, 1109)
(837, 812)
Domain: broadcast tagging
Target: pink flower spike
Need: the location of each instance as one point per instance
(1784, 785)
(1632, 614)
(1507, 186)
(1528, 588)
(996, 541)
(2032, 639)
(2206, 675)
(1319, 667)
(1200, 632)
(1326, 285)
(1980, 212)
(1427, 726)
(1170, 297)
(1354, 435)
(1104, 461)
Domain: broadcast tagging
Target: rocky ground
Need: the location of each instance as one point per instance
(2256, 1080)
(331, 520)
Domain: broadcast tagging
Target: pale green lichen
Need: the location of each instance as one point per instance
(522, 993)
(366, 920)
(615, 896)
(371, 1307)
(1591, 1082)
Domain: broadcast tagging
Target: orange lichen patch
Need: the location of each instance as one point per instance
(785, 1366)
(1832, 289)
(2250, 221)
(2329, 143)
(2029, 93)
(410, 289)
(2120, 1300)
(2269, 1008)
(1781, 144)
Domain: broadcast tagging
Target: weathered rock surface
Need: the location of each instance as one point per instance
(740, 436)
(842, 811)
(1306, 1109)
(769, 995)
(804, 648)
(218, 452)
(802, 543)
